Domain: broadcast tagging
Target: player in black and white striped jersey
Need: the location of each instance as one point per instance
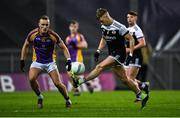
(114, 35)
(133, 64)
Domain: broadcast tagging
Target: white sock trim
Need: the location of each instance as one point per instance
(40, 96)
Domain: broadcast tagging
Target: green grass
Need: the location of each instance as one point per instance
(119, 103)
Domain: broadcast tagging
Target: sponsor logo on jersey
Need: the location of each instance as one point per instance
(110, 38)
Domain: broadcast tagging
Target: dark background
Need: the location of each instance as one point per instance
(156, 17)
(19, 17)
(159, 20)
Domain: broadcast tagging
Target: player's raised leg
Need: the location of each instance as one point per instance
(33, 74)
(108, 62)
(56, 78)
(75, 90)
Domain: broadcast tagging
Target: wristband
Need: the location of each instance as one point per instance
(130, 54)
(98, 50)
(68, 59)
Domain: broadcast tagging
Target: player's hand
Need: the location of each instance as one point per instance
(96, 55)
(68, 64)
(22, 65)
(128, 59)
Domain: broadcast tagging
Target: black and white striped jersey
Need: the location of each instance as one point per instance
(137, 34)
(114, 36)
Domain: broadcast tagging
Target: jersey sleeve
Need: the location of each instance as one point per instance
(66, 40)
(82, 38)
(139, 34)
(29, 37)
(102, 31)
(123, 30)
(79, 38)
(57, 37)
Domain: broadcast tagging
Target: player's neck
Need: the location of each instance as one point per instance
(73, 34)
(43, 34)
(131, 25)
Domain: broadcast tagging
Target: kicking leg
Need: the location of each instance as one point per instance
(76, 91)
(108, 62)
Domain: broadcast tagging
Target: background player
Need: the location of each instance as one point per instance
(133, 64)
(75, 43)
(114, 35)
(43, 41)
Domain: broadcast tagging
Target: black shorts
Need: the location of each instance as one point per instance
(118, 56)
(136, 61)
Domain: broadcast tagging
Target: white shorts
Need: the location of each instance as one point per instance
(46, 67)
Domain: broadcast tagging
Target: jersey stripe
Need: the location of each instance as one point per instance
(53, 38)
(54, 56)
(32, 37)
(79, 57)
(34, 57)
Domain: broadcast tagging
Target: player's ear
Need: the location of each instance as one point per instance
(136, 18)
(39, 24)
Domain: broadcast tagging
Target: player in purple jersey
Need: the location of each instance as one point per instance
(75, 43)
(44, 41)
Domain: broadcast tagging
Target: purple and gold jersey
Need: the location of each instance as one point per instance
(44, 46)
(75, 53)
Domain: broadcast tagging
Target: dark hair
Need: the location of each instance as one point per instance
(133, 13)
(74, 22)
(100, 12)
(44, 17)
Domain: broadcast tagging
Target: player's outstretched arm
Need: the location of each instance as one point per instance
(24, 52)
(131, 43)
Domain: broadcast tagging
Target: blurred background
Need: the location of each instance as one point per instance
(159, 20)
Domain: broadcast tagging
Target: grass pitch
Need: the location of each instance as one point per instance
(118, 103)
